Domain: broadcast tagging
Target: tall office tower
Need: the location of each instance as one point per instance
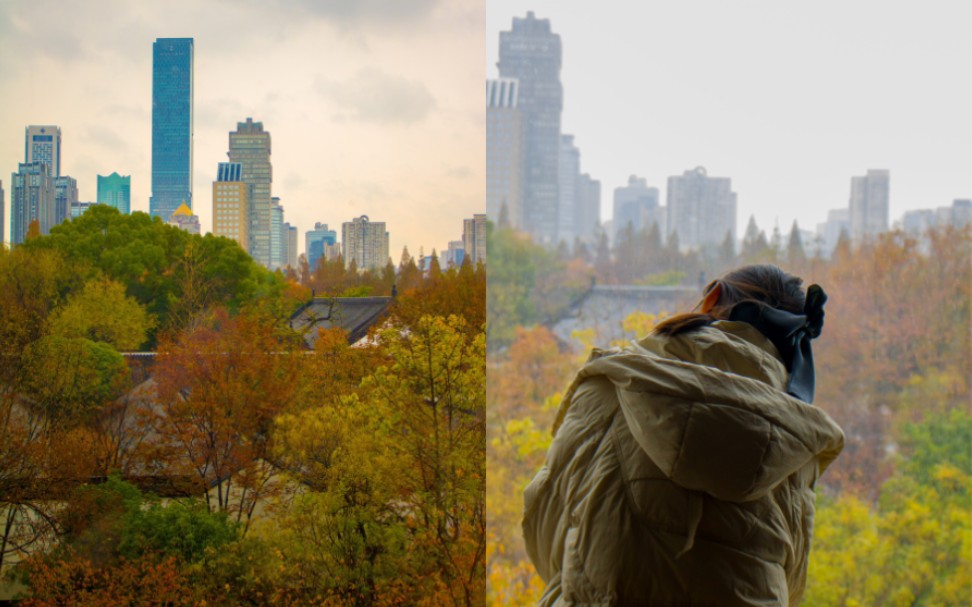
(474, 238)
(701, 209)
(531, 53)
(635, 204)
(587, 212)
(869, 204)
(568, 172)
(504, 151)
(65, 197)
(249, 145)
(317, 242)
(31, 199)
(172, 90)
(2, 218)
(365, 243)
(116, 191)
(43, 144)
(183, 219)
(291, 231)
(231, 204)
(278, 246)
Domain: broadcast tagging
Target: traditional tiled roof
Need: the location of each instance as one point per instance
(353, 314)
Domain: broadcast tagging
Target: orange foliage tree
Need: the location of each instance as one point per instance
(219, 388)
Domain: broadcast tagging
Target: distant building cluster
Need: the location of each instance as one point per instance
(958, 215)
(533, 171)
(534, 181)
(245, 208)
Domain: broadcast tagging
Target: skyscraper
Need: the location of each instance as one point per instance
(172, 92)
(43, 144)
(65, 197)
(116, 191)
(278, 243)
(365, 243)
(504, 151)
(587, 212)
(3, 222)
(231, 204)
(317, 243)
(531, 53)
(568, 167)
(701, 209)
(474, 238)
(291, 232)
(249, 145)
(869, 204)
(31, 199)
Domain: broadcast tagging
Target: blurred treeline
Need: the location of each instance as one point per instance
(894, 365)
(340, 476)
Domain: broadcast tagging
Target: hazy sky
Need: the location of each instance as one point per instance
(788, 99)
(374, 107)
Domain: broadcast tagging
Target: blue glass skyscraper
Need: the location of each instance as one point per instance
(172, 84)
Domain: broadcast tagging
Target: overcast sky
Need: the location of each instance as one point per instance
(374, 107)
(787, 99)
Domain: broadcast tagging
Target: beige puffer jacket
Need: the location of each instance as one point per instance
(680, 474)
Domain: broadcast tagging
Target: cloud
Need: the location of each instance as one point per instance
(362, 12)
(373, 96)
(459, 172)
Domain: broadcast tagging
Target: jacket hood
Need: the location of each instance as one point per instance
(708, 408)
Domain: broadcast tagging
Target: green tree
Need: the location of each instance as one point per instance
(101, 312)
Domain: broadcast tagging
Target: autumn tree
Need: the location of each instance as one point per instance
(432, 399)
(219, 388)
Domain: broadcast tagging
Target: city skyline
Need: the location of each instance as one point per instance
(787, 104)
(373, 110)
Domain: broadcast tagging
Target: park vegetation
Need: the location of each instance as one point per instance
(166, 438)
(894, 513)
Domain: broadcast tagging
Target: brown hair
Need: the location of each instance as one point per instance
(764, 283)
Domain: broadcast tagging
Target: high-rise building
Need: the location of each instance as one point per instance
(838, 222)
(531, 53)
(231, 204)
(317, 243)
(291, 261)
(365, 243)
(454, 255)
(31, 199)
(701, 209)
(474, 238)
(249, 145)
(568, 167)
(79, 208)
(961, 211)
(869, 204)
(65, 197)
(635, 204)
(587, 212)
(172, 113)
(43, 144)
(116, 191)
(3, 222)
(504, 151)
(183, 219)
(278, 236)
